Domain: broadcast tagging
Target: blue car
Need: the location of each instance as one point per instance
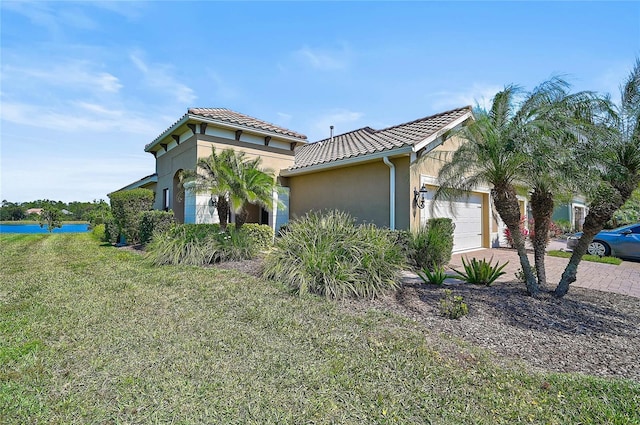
(623, 242)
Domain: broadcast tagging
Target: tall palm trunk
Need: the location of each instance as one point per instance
(542, 209)
(241, 217)
(601, 210)
(506, 202)
(223, 212)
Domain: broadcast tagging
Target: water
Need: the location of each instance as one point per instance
(35, 228)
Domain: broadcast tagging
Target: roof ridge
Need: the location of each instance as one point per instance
(367, 129)
(426, 118)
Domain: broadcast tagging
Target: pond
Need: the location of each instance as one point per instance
(35, 228)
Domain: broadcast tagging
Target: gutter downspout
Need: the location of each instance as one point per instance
(392, 192)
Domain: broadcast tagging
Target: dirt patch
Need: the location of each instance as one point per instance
(588, 331)
(250, 267)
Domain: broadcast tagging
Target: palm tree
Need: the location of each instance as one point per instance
(619, 173)
(209, 177)
(235, 180)
(492, 156)
(248, 184)
(558, 154)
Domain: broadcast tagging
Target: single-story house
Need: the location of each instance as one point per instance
(385, 177)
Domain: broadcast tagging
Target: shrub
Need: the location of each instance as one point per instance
(523, 231)
(126, 206)
(154, 221)
(200, 244)
(111, 231)
(453, 306)
(435, 277)
(555, 230)
(564, 225)
(431, 245)
(327, 254)
(99, 232)
(481, 272)
(235, 245)
(176, 247)
(402, 238)
(260, 234)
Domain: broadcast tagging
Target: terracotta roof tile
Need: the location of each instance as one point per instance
(367, 140)
(232, 117)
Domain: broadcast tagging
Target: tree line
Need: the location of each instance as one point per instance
(72, 211)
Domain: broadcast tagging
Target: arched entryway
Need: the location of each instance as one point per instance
(177, 203)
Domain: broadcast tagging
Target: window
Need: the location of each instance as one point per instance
(165, 199)
(635, 229)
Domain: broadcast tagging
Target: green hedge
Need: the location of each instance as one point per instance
(432, 244)
(98, 232)
(111, 231)
(126, 207)
(260, 234)
(154, 221)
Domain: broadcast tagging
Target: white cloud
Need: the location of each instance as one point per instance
(325, 59)
(58, 17)
(611, 80)
(343, 121)
(73, 117)
(77, 75)
(477, 94)
(284, 119)
(159, 76)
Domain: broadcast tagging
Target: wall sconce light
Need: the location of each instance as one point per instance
(419, 196)
(213, 202)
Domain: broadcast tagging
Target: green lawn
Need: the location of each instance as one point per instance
(586, 257)
(92, 334)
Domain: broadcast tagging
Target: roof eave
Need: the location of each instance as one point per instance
(187, 117)
(152, 178)
(453, 124)
(346, 161)
(233, 126)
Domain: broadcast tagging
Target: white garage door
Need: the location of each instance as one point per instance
(466, 215)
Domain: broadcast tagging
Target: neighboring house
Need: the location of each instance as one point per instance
(574, 212)
(148, 182)
(375, 175)
(37, 211)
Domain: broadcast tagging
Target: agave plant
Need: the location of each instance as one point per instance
(480, 272)
(435, 277)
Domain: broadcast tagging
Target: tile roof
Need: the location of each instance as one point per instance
(232, 117)
(367, 140)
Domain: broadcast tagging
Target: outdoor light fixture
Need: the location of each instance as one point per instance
(419, 196)
(213, 202)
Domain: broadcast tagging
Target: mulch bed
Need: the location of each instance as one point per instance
(588, 331)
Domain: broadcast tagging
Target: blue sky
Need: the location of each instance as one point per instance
(84, 86)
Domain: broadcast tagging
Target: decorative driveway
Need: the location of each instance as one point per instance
(623, 279)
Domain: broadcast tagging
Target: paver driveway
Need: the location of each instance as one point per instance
(622, 279)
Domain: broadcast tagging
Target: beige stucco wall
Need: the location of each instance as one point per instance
(272, 158)
(184, 157)
(180, 157)
(361, 190)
